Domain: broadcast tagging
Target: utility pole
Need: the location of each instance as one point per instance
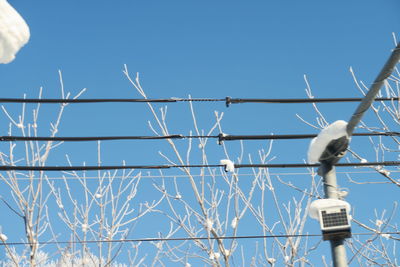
(336, 149)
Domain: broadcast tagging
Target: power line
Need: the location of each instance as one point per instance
(224, 137)
(228, 100)
(220, 137)
(107, 100)
(120, 167)
(160, 239)
(94, 138)
(181, 176)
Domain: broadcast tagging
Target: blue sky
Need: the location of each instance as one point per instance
(208, 49)
(243, 49)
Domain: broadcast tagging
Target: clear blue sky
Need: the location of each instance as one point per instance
(206, 49)
(203, 48)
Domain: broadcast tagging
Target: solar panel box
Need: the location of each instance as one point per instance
(335, 222)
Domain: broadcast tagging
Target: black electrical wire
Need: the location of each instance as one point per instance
(119, 167)
(160, 239)
(92, 138)
(107, 100)
(221, 137)
(228, 100)
(225, 137)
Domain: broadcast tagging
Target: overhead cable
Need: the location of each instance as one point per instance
(228, 100)
(118, 167)
(92, 138)
(221, 137)
(160, 239)
(182, 176)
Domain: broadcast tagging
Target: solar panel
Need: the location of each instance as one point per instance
(335, 218)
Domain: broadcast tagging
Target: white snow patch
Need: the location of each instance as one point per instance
(3, 237)
(60, 205)
(319, 143)
(387, 236)
(326, 203)
(98, 195)
(227, 252)
(234, 222)
(343, 193)
(14, 32)
(229, 165)
(158, 245)
(209, 224)
(215, 255)
(384, 172)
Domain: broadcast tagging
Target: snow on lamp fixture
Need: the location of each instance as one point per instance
(331, 142)
(14, 32)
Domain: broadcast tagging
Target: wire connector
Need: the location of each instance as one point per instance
(221, 138)
(228, 101)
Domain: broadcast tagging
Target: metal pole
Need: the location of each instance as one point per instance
(335, 149)
(328, 172)
(330, 184)
(338, 250)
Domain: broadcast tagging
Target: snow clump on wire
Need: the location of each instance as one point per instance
(229, 165)
(318, 145)
(14, 32)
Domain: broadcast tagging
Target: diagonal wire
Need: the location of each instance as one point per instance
(373, 90)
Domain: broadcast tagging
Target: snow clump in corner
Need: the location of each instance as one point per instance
(229, 165)
(14, 32)
(319, 143)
